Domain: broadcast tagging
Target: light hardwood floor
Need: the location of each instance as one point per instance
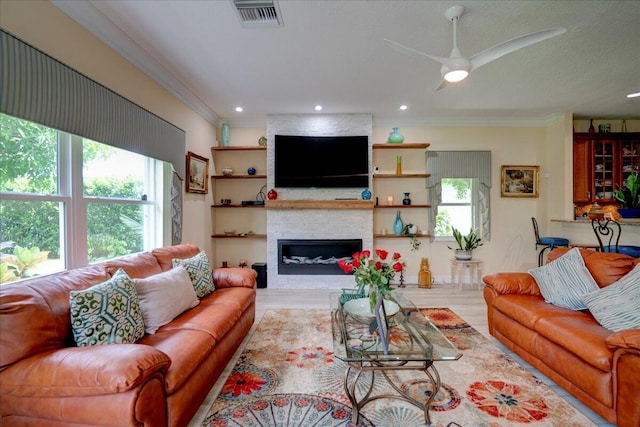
(468, 303)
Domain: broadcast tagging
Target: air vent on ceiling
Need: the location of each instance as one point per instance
(258, 13)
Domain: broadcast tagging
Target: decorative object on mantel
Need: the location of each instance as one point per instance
(406, 201)
(227, 171)
(424, 274)
(262, 141)
(373, 271)
(398, 165)
(272, 194)
(411, 230)
(225, 135)
(366, 194)
(395, 137)
(466, 244)
(398, 226)
(251, 171)
(591, 128)
(629, 197)
(604, 128)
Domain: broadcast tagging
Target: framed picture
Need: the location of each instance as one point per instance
(519, 181)
(197, 173)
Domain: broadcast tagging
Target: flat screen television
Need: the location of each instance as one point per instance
(321, 161)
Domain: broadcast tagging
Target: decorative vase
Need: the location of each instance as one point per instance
(227, 170)
(395, 137)
(262, 141)
(225, 135)
(272, 194)
(251, 171)
(424, 275)
(462, 255)
(591, 128)
(398, 165)
(406, 200)
(398, 226)
(623, 129)
(366, 194)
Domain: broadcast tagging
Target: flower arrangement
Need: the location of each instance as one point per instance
(374, 271)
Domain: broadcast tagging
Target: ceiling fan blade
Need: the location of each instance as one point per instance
(409, 51)
(502, 49)
(442, 84)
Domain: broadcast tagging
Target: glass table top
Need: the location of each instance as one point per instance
(412, 337)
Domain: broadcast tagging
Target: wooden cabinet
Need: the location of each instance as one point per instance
(602, 163)
(387, 181)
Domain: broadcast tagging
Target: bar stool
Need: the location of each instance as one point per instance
(608, 233)
(547, 242)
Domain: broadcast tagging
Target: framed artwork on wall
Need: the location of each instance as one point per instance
(197, 174)
(519, 181)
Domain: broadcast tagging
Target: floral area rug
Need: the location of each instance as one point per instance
(287, 376)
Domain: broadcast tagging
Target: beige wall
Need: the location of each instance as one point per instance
(512, 242)
(45, 27)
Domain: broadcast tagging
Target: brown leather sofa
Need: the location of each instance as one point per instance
(161, 380)
(599, 367)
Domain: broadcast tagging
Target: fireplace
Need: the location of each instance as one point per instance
(315, 257)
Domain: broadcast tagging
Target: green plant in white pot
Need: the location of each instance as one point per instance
(466, 244)
(629, 197)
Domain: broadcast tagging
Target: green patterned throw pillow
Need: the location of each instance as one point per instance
(107, 313)
(199, 271)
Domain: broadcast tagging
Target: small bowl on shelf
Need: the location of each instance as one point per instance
(230, 232)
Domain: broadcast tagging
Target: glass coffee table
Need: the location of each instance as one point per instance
(414, 344)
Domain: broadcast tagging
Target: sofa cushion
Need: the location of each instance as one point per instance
(199, 271)
(107, 313)
(138, 265)
(528, 309)
(35, 314)
(187, 349)
(617, 307)
(581, 336)
(167, 254)
(605, 268)
(164, 296)
(562, 282)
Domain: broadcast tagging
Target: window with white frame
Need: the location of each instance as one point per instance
(68, 201)
(458, 207)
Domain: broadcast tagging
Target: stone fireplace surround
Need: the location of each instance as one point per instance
(311, 223)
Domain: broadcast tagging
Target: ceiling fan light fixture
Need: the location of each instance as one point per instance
(454, 76)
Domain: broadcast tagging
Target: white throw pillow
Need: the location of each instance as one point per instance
(617, 307)
(565, 280)
(164, 296)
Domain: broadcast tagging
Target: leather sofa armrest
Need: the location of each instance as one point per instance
(629, 339)
(82, 371)
(234, 277)
(512, 283)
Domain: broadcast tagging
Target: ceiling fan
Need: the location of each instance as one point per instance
(456, 68)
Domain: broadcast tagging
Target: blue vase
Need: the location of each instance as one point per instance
(395, 137)
(398, 225)
(225, 135)
(366, 194)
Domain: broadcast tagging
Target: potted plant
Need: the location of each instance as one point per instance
(629, 197)
(466, 244)
(411, 231)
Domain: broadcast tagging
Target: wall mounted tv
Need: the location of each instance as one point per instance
(321, 161)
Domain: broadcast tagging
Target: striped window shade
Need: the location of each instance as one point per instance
(40, 89)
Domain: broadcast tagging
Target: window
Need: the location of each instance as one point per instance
(458, 208)
(69, 201)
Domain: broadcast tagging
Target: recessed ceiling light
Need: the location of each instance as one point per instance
(633, 95)
(239, 109)
(403, 107)
(318, 107)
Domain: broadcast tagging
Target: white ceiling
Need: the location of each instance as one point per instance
(332, 53)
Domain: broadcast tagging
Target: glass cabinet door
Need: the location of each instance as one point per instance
(605, 165)
(629, 159)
